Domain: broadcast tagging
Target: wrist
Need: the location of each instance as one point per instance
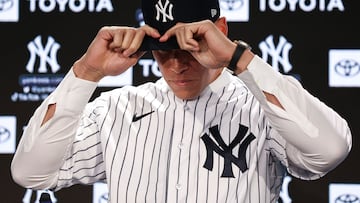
(241, 57)
(244, 61)
(83, 72)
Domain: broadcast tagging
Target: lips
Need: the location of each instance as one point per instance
(182, 82)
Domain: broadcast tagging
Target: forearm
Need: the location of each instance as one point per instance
(318, 138)
(43, 145)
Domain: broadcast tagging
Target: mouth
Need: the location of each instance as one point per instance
(182, 83)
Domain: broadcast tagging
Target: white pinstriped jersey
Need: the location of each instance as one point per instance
(150, 146)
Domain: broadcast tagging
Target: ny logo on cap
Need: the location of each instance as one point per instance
(164, 10)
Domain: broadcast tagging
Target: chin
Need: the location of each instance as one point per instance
(189, 93)
(187, 96)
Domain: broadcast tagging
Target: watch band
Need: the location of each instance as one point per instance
(240, 48)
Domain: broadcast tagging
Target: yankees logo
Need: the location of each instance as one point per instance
(165, 10)
(226, 150)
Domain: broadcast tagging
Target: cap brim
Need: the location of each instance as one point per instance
(150, 43)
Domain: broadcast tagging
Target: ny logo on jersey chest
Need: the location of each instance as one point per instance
(226, 150)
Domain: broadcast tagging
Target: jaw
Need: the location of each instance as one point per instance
(186, 93)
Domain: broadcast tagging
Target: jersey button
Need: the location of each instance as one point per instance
(181, 146)
(178, 186)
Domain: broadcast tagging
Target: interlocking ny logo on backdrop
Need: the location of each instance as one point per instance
(279, 53)
(164, 10)
(226, 150)
(42, 68)
(47, 55)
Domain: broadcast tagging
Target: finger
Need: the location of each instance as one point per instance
(150, 31)
(135, 43)
(138, 54)
(170, 32)
(128, 38)
(189, 38)
(185, 38)
(139, 37)
(117, 39)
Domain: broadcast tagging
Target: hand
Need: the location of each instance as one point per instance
(112, 52)
(205, 40)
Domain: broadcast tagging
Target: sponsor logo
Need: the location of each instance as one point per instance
(303, 5)
(344, 193)
(9, 10)
(139, 17)
(42, 68)
(4, 134)
(235, 10)
(6, 5)
(146, 70)
(347, 68)
(100, 193)
(284, 192)
(344, 68)
(7, 134)
(136, 118)
(149, 66)
(75, 6)
(347, 198)
(104, 198)
(29, 193)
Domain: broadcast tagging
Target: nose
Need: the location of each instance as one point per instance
(179, 67)
(180, 62)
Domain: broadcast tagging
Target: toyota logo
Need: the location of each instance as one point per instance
(6, 5)
(347, 198)
(347, 68)
(231, 4)
(4, 134)
(104, 198)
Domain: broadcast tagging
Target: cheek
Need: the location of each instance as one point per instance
(162, 63)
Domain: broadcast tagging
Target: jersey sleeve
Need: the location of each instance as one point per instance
(42, 148)
(83, 162)
(316, 138)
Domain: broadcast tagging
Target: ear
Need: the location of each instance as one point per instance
(221, 23)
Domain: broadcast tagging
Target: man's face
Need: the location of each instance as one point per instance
(185, 76)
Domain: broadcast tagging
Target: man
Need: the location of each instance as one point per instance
(201, 133)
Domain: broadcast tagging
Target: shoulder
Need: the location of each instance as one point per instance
(237, 85)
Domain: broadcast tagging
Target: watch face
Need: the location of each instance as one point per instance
(243, 44)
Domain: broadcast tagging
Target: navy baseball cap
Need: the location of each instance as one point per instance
(163, 14)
